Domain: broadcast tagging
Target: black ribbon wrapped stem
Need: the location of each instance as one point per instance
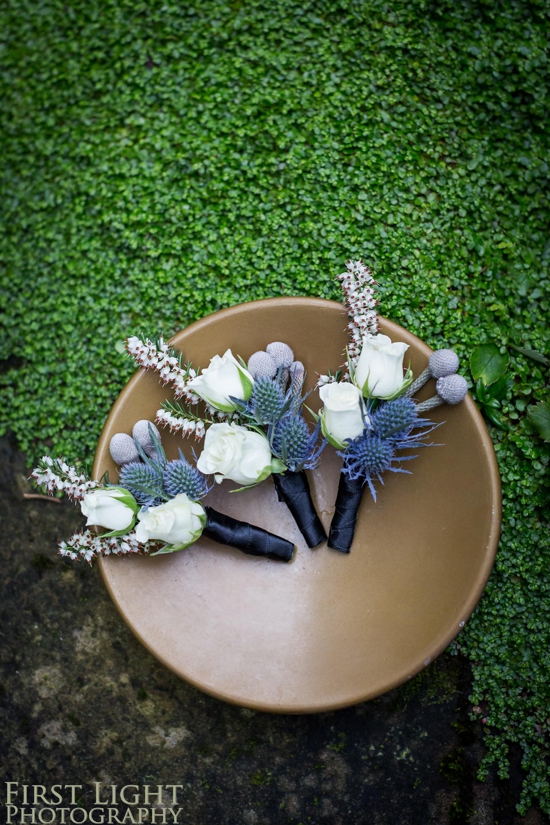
(342, 529)
(252, 540)
(293, 489)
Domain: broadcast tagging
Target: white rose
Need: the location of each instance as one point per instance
(342, 414)
(179, 522)
(223, 379)
(112, 507)
(231, 451)
(379, 371)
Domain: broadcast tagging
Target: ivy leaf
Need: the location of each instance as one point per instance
(488, 363)
(539, 416)
(532, 354)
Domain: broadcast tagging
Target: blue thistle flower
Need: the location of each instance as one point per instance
(294, 444)
(267, 401)
(394, 416)
(144, 482)
(370, 455)
(180, 476)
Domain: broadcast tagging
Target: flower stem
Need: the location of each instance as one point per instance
(293, 489)
(342, 529)
(252, 540)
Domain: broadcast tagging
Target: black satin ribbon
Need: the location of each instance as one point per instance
(346, 510)
(293, 489)
(252, 540)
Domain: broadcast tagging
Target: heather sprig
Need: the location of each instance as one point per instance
(88, 545)
(56, 474)
(358, 286)
(180, 419)
(157, 355)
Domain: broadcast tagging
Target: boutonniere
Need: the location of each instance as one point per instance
(154, 509)
(368, 410)
(251, 416)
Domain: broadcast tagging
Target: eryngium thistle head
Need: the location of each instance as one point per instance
(293, 443)
(267, 401)
(369, 455)
(144, 483)
(181, 477)
(392, 417)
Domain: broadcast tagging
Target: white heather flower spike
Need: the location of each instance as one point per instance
(57, 475)
(177, 424)
(149, 357)
(87, 545)
(358, 287)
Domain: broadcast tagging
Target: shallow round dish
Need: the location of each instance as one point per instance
(327, 630)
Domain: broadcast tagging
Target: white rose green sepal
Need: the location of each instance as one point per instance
(379, 370)
(237, 453)
(179, 522)
(114, 508)
(224, 379)
(343, 414)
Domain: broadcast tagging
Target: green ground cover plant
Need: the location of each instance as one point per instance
(162, 160)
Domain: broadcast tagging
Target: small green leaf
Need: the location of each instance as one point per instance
(500, 388)
(495, 418)
(169, 548)
(481, 392)
(246, 383)
(277, 466)
(488, 363)
(314, 415)
(539, 416)
(532, 354)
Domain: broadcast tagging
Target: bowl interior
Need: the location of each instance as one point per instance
(327, 630)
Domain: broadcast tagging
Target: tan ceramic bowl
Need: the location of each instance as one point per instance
(327, 630)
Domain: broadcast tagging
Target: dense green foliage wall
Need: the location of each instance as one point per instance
(161, 160)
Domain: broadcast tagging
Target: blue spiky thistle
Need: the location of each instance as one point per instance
(390, 427)
(144, 482)
(368, 457)
(293, 443)
(392, 417)
(267, 402)
(180, 476)
(144, 478)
